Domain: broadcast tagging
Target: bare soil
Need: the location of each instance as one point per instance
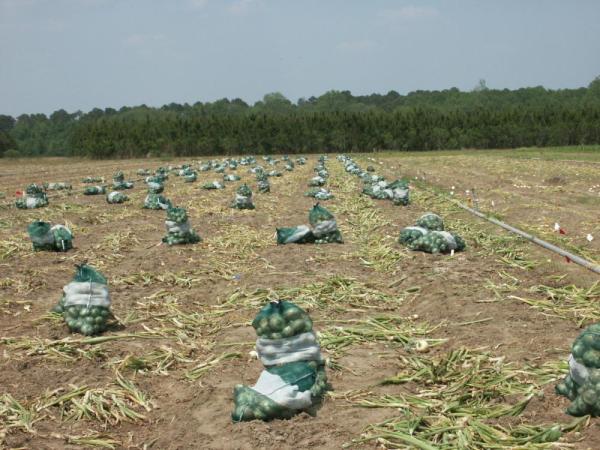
(123, 241)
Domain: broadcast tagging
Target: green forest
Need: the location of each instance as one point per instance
(336, 121)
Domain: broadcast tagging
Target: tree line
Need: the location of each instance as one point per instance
(336, 121)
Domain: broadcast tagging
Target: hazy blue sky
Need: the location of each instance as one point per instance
(80, 54)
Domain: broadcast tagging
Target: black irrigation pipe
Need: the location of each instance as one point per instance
(547, 245)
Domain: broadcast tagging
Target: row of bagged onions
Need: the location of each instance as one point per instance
(317, 183)
(294, 377)
(35, 196)
(375, 186)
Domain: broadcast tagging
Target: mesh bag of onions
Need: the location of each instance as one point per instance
(44, 236)
(178, 228)
(582, 384)
(428, 235)
(324, 226)
(85, 304)
(35, 198)
(294, 378)
(243, 198)
(116, 197)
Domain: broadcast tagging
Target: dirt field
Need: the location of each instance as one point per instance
(497, 320)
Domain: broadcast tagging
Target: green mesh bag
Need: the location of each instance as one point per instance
(35, 198)
(118, 176)
(333, 237)
(410, 234)
(156, 201)
(93, 180)
(324, 226)
(30, 202)
(398, 184)
(582, 385)
(85, 304)
(63, 238)
(178, 215)
(324, 229)
(35, 190)
(586, 347)
(231, 177)
(400, 192)
(157, 178)
(243, 198)
(368, 189)
(120, 185)
(60, 186)
(294, 378)
(251, 405)
(155, 187)
(161, 174)
(300, 373)
(316, 181)
(143, 172)
(264, 186)
(190, 177)
(185, 171)
(295, 235)
(319, 194)
(396, 191)
(431, 221)
(116, 197)
(41, 236)
(319, 214)
(213, 185)
(178, 229)
(281, 319)
(94, 190)
(244, 190)
(45, 237)
(438, 242)
(274, 173)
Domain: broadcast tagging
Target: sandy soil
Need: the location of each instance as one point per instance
(208, 281)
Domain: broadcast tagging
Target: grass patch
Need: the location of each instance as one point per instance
(465, 399)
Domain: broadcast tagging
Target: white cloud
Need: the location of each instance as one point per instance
(239, 7)
(409, 13)
(356, 46)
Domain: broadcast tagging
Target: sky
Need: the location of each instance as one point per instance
(82, 54)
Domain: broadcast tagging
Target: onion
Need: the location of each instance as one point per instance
(276, 322)
(421, 346)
